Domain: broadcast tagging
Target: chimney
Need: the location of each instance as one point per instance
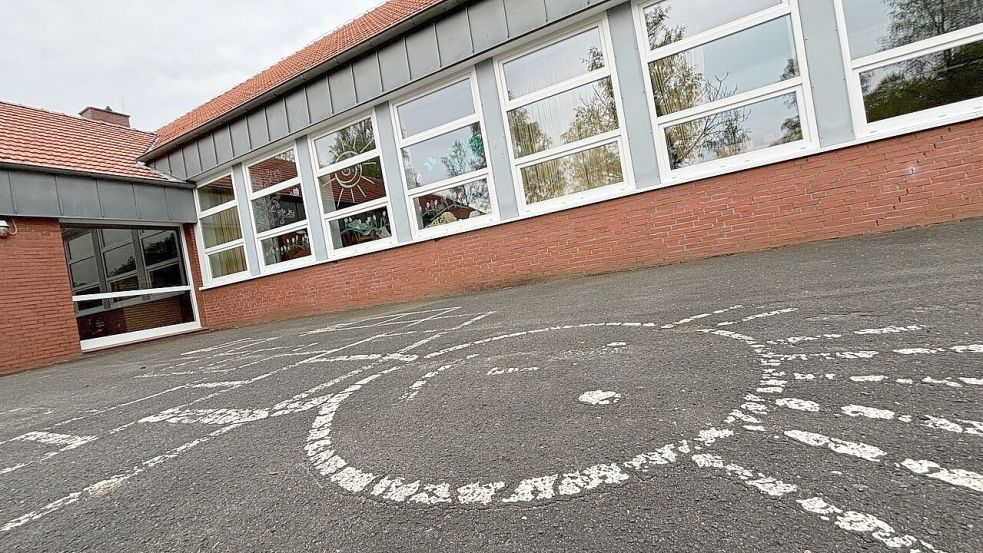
(106, 116)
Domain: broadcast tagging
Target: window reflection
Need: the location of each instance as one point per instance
(673, 20)
(275, 170)
(467, 201)
(352, 185)
(216, 193)
(567, 117)
(449, 155)
(585, 170)
(344, 144)
(437, 108)
(279, 209)
(735, 131)
(286, 247)
(362, 228)
(878, 25)
(554, 64)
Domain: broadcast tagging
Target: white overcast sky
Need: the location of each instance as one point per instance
(160, 58)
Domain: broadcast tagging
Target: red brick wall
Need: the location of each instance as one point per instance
(918, 179)
(37, 319)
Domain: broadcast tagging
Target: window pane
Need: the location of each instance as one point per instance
(352, 185)
(85, 273)
(216, 193)
(78, 243)
(221, 228)
(554, 64)
(113, 236)
(168, 276)
(140, 313)
(925, 82)
(228, 262)
(120, 260)
(673, 20)
(358, 229)
(466, 201)
(436, 109)
(746, 129)
(448, 155)
(878, 25)
(273, 171)
(279, 209)
(567, 117)
(286, 247)
(573, 173)
(750, 59)
(346, 143)
(159, 248)
(127, 284)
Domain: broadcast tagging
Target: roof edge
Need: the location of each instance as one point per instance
(7, 165)
(157, 151)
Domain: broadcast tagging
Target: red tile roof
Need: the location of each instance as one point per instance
(41, 138)
(346, 37)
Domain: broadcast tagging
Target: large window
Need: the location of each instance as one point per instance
(442, 150)
(352, 187)
(913, 61)
(726, 80)
(566, 136)
(219, 231)
(127, 280)
(277, 204)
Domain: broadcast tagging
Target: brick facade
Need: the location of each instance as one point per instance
(37, 318)
(917, 179)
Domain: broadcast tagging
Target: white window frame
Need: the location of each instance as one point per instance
(204, 252)
(618, 136)
(799, 85)
(328, 218)
(286, 229)
(932, 116)
(483, 174)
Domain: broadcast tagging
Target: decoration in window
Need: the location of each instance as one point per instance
(279, 213)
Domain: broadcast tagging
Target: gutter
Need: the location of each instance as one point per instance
(93, 175)
(317, 71)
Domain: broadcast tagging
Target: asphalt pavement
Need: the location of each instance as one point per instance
(824, 397)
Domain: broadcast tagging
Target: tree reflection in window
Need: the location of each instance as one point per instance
(464, 159)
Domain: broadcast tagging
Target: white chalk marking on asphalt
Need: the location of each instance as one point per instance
(855, 449)
(496, 371)
(533, 489)
(945, 382)
(972, 381)
(868, 412)
(798, 404)
(364, 357)
(688, 320)
(65, 441)
(599, 397)
(208, 416)
(617, 344)
(591, 477)
(711, 435)
(226, 384)
(352, 479)
(955, 477)
(889, 329)
(822, 355)
(868, 378)
(110, 484)
(765, 484)
(760, 316)
(478, 492)
(793, 340)
(971, 348)
(665, 455)
(432, 494)
(864, 523)
(415, 388)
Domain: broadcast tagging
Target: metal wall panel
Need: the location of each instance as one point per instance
(240, 137)
(259, 133)
(386, 139)
(488, 26)
(276, 120)
(162, 165)
(34, 193)
(522, 16)
(77, 197)
(454, 38)
(151, 203)
(180, 205)
(825, 63)
(341, 85)
(421, 48)
(497, 150)
(297, 115)
(319, 100)
(192, 161)
(395, 65)
(6, 196)
(368, 79)
(118, 200)
(206, 152)
(558, 9)
(223, 145)
(319, 243)
(176, 163)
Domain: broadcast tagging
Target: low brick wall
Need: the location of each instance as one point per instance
(37, 318)
(917, 179)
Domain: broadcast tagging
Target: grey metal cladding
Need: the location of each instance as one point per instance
(423, 52)
(368, 79)
(180, 205)
(319, 100)
(240, 137)
(558, 9)
(522, 16)
(78, 197)
(823, 53)
(175, 160)
(341, 85)
(276, 120)
(192, 161)
(162, 165)
(118, 200)
(297, 115)
(454, 38)
(394, 64)
(259, 133)
(6, 196)
(34, 193)
(206, 152)
(488, 26)
(223, 145)
(151, 203)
